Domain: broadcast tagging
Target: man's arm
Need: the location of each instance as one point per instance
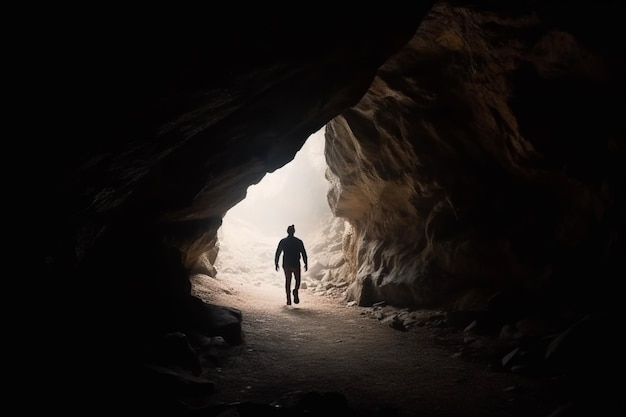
(277, 255)
(304, 258)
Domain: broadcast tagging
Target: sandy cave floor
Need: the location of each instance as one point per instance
(324, 344)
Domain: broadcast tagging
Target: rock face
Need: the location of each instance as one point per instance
(486, 156)
(477, 153)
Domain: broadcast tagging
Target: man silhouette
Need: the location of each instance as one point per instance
(292, 248)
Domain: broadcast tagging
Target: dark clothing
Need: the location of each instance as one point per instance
(289, 271)
(292, 248)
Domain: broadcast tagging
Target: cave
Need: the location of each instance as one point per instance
(474, 151)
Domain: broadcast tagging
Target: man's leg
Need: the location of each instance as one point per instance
(296, 273)
(288, 272)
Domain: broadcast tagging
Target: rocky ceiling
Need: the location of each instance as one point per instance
(475, 150)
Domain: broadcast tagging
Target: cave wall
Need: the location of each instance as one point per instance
(487, 156)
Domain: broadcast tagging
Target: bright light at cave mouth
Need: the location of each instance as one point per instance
(294, 194)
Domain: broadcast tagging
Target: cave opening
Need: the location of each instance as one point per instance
(293, 194)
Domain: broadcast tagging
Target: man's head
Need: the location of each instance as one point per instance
(291, 230)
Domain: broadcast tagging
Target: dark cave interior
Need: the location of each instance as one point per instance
(475, 149)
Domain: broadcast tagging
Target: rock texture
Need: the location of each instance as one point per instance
(486, 156)
(477, 154)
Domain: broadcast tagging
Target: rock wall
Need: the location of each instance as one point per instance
(486, 156)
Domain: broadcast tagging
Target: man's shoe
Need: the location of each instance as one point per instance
(289, 300)
(295, 297)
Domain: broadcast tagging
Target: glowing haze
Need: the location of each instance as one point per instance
(294, 194)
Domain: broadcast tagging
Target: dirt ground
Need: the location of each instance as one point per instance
(323, 344)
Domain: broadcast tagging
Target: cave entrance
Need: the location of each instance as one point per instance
(294, 194)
